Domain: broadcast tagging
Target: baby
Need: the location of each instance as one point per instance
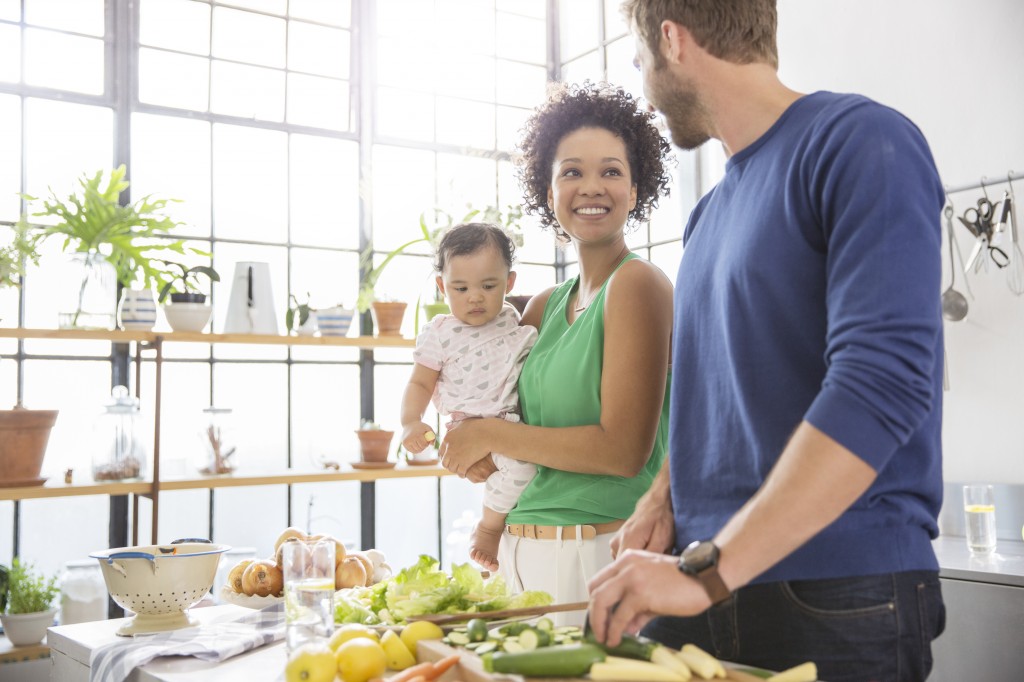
(468, 363)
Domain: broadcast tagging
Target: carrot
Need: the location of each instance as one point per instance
(442, 666)
(413, 671)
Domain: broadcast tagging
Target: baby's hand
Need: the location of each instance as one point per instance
(416, 437)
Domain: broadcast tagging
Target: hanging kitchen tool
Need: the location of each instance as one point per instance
(1015, 275)
(954, 304)
(979, 221)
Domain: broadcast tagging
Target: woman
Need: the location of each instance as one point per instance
(592, 390)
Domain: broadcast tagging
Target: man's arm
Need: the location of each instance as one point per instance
(651, 525)
(815, 480)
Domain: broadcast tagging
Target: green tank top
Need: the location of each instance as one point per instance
(560, 385)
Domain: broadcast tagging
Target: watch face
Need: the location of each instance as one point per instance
(699, 555)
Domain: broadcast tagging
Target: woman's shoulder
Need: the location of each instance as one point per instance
(640, 273)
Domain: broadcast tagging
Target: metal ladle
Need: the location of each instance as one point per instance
(954, 304)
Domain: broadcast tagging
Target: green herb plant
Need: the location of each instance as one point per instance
(29, 591)
(19, 252)
(295, 308)
(186, 280)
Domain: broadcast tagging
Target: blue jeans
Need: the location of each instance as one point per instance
(869, 628)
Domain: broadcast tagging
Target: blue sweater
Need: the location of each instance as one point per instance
(809, 290)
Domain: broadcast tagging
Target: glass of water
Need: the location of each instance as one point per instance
(980, 516)
(308, 592)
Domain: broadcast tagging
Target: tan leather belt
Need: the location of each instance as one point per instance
(587, 532)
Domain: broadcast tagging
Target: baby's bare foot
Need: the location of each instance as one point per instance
(483, 547)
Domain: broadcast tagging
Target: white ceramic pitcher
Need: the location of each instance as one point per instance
(251, 306)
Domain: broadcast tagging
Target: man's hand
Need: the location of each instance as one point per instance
(635, 588)
(414, 437)
(481, 471)
(652, 526)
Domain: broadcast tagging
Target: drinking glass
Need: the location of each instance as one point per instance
(308, 592)
(980, 516)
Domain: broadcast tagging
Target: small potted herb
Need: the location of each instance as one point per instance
(188, 310)
(300, 318)
(29, 604)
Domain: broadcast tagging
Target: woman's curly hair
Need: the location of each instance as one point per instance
(591, 105)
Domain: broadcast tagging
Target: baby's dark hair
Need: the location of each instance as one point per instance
(592, 105)
(468, 238)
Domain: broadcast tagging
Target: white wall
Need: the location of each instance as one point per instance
(957, 70)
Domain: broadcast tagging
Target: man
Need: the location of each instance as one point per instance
(805, 454)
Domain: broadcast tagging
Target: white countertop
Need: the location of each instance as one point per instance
(1005, 566)
(70, 646)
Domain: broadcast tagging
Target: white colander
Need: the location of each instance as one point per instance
(159, 582)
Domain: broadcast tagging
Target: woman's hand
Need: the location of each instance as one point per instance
(464, 446)
(479, 472)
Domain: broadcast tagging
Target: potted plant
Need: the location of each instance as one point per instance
(374, 443)
(188, 310)
(29, 609)
(110, 243)
(303, 314)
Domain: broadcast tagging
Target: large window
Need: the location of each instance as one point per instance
(296, 133)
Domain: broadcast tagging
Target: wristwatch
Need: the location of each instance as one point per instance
(700, 560)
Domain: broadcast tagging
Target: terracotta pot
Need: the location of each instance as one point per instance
(375, 444)
(387, 317)
(23, 437)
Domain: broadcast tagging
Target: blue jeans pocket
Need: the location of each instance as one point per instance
(842, 598)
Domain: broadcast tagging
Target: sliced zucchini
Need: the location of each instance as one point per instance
(512, 647)
(545, 624)
(458, 638)
(486, 648)
(534, 639)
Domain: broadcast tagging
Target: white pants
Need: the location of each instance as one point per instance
(503, 488)
(560, 567)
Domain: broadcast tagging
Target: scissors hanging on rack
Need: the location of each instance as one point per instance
(979, 222)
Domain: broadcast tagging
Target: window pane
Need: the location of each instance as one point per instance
(579, 26)
(79, 67)
(521, 84)
(247, 37)
(80, 16)
(522, 38)
(475, 78)
(10, 53)
(10, 157)
(466, 123)
(336, 12)
(404, 18)
(324, 192)
(318, 49)
(325, 411)
(396, 214)
(667, 257)
(620, 66)
(262, 449)
(265, 6)
(180, 25)
(510, 121)
(405, 114)
(464, 181)
(318, 102)
(584, 68)
(329, 277)
(171, 158)
(466, 23)
(62, 141)
(247, 91)
(189, 383)
(530, 8)
(614, 23)
(395, 68)
(10, 9)
(250, 183)
(174, 80)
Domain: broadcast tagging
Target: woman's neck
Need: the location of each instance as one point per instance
(596, 266)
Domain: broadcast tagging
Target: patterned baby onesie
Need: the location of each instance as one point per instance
(479, 369)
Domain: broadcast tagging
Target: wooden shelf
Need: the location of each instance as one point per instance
(54, 488)
(118, 336)
(292, 477)
(19, 654)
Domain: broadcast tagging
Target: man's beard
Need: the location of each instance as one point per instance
(685, 114)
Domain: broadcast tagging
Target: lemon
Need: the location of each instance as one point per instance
(351, 631)
(311, 663)
(360, 659)
(420, 629)
(399, 656)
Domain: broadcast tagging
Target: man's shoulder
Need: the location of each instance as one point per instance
(848, 112)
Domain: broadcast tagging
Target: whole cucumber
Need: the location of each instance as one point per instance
(637, 647)
(552, 661)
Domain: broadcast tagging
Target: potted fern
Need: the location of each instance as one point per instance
(109, 244)
(29, 604)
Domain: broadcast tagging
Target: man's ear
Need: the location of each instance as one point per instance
(440, 285)
(511, 281)
(673, 40)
